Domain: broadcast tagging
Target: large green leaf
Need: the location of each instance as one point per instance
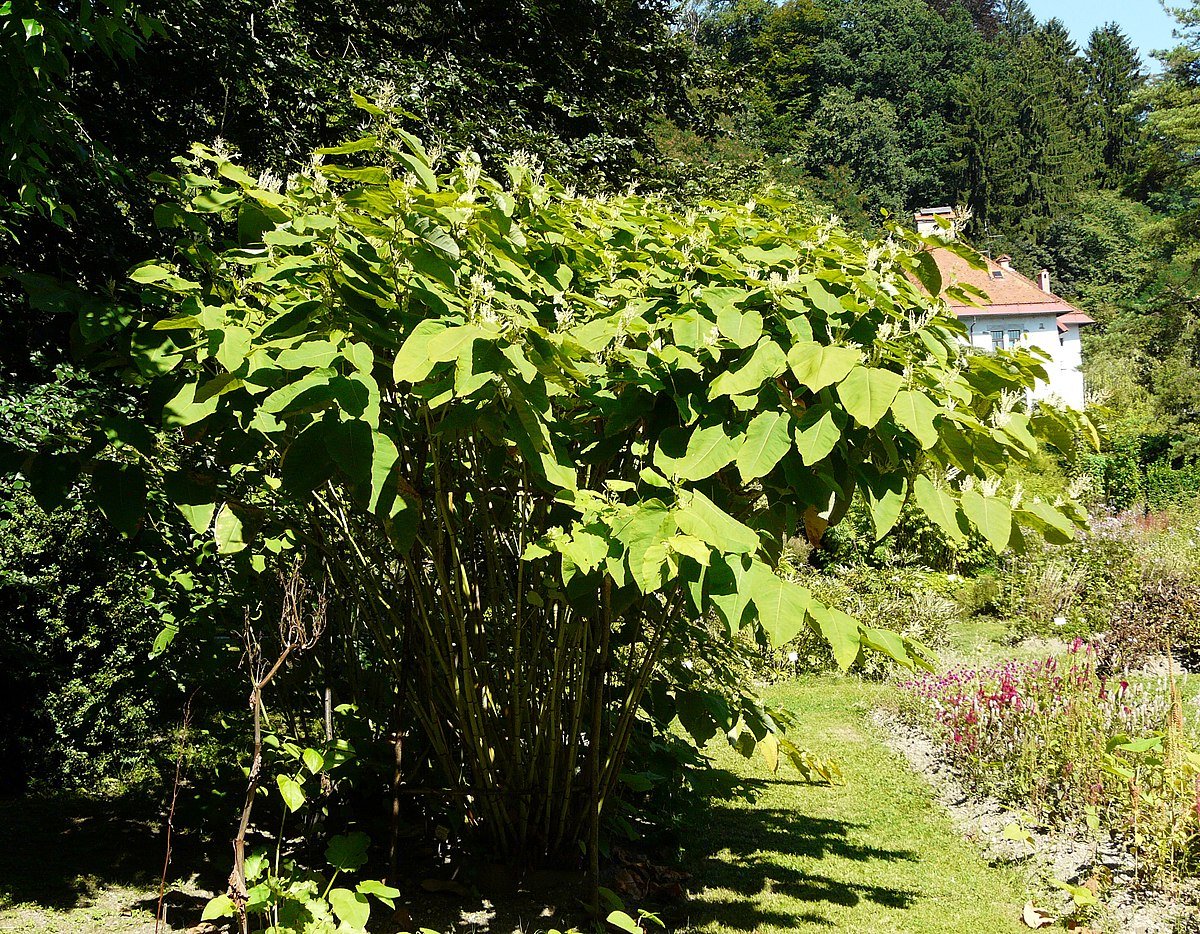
(448, 344)
(700, 517)
(819, 365)
(368, 460)
(192, 497)
(228, 532)
(928, 272)
(420, 168)
(413, 362)
(315, 390)
(645, 526)
(937, 503)
(868, 392)
(708, 450)
(384, 498)
(291, 791)
(700, 714)
(351, 908)
(766, 440)
(840, 630)
(184, 409)
(888, 643)
(120, 429)
(436, 236)
(235, 344)
(885, 494)
(308, 355)
(823, 299)
(766, 362)
(914, 411)
(1055, 427)
(722, 299)
(688, 329)
(348, 852)
(744, 328)
(1057, 528)
(1016, 425)
(385, 893)
(781, 605)
(817, 434)
(723, 585)
(306, 462)
(991, 516)
(586, 550)
(220, 906)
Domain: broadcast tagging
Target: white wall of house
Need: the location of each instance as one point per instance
(1070, 384)
(1065, 381)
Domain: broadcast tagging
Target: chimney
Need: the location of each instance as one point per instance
(1044, 280)
(1004, 261)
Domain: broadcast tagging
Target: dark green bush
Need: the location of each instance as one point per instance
(1165, 485)
(915, 542)
(78, 705)
(1117, 476)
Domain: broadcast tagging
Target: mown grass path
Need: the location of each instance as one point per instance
(875, 855)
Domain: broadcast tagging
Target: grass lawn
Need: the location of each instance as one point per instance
(875, 855)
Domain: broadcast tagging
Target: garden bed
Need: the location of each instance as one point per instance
(1065, 854)
(1091, 783)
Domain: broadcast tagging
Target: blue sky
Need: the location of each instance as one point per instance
(1144, 21)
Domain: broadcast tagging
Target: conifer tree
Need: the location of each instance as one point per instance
(1016, 19)
(1113, 71)
(985, 172)
(1054, 149)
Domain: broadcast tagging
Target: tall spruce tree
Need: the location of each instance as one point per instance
(985, 172)
(1055, 158)
(1114, 75)
(1016, 19)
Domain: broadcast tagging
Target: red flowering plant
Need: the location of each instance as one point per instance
(1068, 745)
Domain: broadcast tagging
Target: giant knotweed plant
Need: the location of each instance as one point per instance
(536, 436)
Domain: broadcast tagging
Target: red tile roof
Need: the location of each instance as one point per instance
(1010, 293)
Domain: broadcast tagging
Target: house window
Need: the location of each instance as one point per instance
(1014, 338)
(997, 340)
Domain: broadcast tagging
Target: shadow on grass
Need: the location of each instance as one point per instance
(755, 851)
(57, 852)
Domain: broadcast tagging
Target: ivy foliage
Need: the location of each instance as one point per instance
(534, 430)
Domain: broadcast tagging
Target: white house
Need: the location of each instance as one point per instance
(1019, 313)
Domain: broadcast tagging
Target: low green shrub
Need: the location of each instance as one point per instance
(293, 899)
(1116, 475)
(915, 542)
(1059, 740)
(982, 595)
(1070, 590)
